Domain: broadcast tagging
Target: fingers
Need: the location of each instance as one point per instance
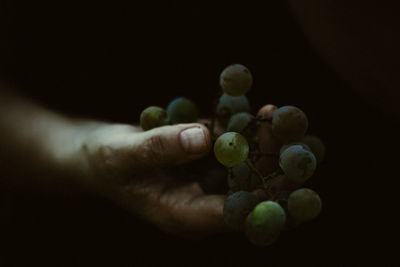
(171, 145)
(268, 143)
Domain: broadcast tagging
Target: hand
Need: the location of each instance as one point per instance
(129, 166)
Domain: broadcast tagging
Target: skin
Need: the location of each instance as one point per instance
(117, 161)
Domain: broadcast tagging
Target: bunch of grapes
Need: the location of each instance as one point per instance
(258, 204)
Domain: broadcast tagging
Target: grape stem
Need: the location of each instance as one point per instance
(254, 169)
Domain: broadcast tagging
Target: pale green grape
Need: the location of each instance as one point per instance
(153, 117)
(230, 105)
(231, 149)
(304, 204)
(289, 124)
(237, 207)
(268, 218)
(182, 110)
(297, 163)
(316, 145)
(257, 238)
(235, 80)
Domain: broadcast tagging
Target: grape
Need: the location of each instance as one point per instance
(230, 105)
(316, 145)
(153, 117)
(235, 80)
(242, 123)
(243, 178)
(237, 207)
(289, 124)
(231, 149)
(255, 237)
(297, 163)
(182, 110)
(304, 204)
(268, 218)
(284, 147)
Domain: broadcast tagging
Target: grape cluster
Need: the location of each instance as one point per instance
(254, 205)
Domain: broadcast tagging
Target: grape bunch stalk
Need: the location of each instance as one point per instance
(260, 202)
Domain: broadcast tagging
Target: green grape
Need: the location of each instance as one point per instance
(297, 163)
(241, 177)
(231, 149)
(243, 123)
(289, 124)
(182, 110)
(304, 204)
(230, 105)
(153, 117)
(235, 80)
(268, 218)
(237, 207)
(284, 147)
(316, 145)
(257, 238)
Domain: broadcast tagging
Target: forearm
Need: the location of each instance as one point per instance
(41, 144)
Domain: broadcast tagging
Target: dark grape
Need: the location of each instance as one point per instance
(153, 117)
(243, 123)
(284, 147)
(241, 177)
(230, 105)
(316, 145)
(237, 207)
(182, 110)
(236, 80)
(289, 124)
(304, 204)
(297, 163)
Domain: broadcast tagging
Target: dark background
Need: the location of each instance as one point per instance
(110, 61)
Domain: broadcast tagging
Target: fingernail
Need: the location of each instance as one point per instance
(193, 140)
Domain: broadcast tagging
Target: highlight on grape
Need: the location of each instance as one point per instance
(254, 205)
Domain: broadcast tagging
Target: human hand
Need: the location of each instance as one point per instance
(131, 167)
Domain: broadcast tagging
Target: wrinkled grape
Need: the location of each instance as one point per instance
(235, 80)
(297, 163)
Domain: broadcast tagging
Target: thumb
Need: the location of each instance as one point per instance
(175, 144)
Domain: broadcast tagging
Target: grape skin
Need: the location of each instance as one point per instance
(236, 80)
(242, 178)
(241, 123)
(231, 149)
(182, 110)
(153, 117)
(237, 207)
(304, 204)
(268, 218)
(297, 163)
(255, 237)
(289, 124)
(229, 105)
(316, 145)
(284, 147)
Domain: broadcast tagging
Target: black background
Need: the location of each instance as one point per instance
(110, 61)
